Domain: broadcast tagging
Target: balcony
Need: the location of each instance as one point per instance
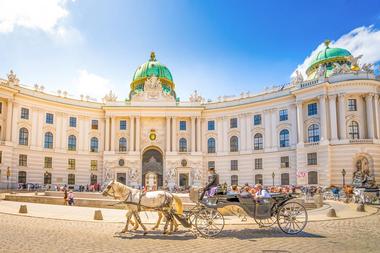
(309, 144)
(361, 141)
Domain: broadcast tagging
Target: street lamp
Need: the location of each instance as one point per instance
(344, 175)
(8, 176)
(273, 178)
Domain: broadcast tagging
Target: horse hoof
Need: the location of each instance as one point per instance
(145, 233)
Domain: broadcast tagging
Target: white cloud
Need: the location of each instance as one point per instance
(362, 40)
(89, 84)
(44, 15)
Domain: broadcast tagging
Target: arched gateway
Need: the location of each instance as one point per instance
(152, 168)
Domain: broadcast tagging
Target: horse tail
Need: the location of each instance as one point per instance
(178, 204)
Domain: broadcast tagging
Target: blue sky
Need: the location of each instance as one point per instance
(216, 47)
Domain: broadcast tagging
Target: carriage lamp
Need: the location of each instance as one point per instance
(273, 178)
(344, 175)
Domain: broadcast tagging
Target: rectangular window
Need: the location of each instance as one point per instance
(234, 165)
(23, 160)
(22, 177)
(1, 159)
(284, 115)
(123, 125)
(258, 163)
(233, 123)
(48, 163)
(71, 179)
(312, 109)
(94, 124)
(49, 118)
(284, 161)
(257, 119)
(352, 105)
(182, 125)
(1, 107)
(211, 164)
(211, 125)
(71, 164)
(24, 113)
(94, 164)
(312, 159)
(73, 122)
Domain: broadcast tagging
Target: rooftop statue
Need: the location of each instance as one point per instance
(195, 97)
(110, 97)
(12, 78)
(298, 78)
(367, 67)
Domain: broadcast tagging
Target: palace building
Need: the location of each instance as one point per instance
(315, 130)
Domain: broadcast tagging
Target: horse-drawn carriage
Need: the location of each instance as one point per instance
(290, 215)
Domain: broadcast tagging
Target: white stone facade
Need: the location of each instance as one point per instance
(288, 110)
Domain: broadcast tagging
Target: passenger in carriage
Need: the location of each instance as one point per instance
(261, 193)
(234, 190)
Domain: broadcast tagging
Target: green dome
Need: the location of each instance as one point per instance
(152, 67)
(328, 56)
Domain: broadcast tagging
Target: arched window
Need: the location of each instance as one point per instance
(234, 180)
(284, 138)
(48, 143)
(122, 144)
(182, 145)
(94, 146)
(258, 141)
(258, 179)
(353, 130)
(72, 143)
(47, 178)
(313, 133)
(234, 144)
(23, 136)
(211, 145)
(285, 179)
(312, 177)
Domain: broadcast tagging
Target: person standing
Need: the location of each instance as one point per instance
(65, 197)
(71, 198)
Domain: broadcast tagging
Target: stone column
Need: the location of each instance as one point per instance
(82, 123)
(63, 134)
(267, 129)
(137, 147)
(226, 140)
(168, 138)
(323, 117)
(58, 133)
(300, 122)
(107, 135)
(35, 128)
(333, 120)
(174, 134)
(132, 133)
(15, 117)
(113, 128)
(369, 110)
(41, 120)
(248, 123)
(377, 119)
(86, 130)
(243, 132)
(274, 120)
(219, 141)
(192, 134)
(8, 136)
(342, 116)
(198, 134)
(293, 120)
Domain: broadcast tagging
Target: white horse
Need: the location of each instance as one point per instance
(137, 201)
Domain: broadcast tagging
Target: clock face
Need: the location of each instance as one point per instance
(152, 136)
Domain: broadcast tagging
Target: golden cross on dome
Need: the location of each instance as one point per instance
(327, 43)
(152, 56)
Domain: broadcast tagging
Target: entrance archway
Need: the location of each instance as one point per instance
(152, 168)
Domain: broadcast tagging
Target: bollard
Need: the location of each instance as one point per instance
(98, 215)
(360, 208)
(23, 209)
(331, 213)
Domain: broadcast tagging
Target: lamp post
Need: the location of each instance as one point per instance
(8, 176)
(344, 175)
(273, 178)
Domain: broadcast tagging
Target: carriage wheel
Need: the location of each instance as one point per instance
(292, 218)
(209, 222)
(265, 223)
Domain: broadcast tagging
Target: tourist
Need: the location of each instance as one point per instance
(71, 198)
(234, 190)
(261, 193)
(65, 197)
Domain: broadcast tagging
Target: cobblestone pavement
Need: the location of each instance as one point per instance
(27, 234)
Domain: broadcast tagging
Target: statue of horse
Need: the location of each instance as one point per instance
(136, 201)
